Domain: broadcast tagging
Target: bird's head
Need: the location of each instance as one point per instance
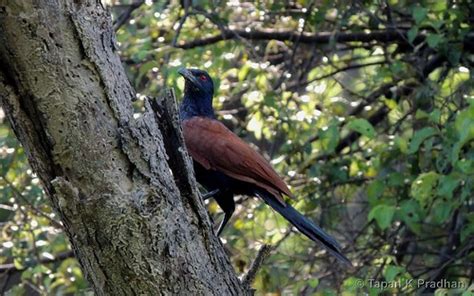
(197, 82)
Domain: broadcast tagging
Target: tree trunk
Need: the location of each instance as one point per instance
(120, 185)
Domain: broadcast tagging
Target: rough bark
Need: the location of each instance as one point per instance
(127, 201)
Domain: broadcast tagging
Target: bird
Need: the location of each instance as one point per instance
(226, 166)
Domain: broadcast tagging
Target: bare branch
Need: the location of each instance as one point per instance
(127, 14)
(256, 264)
(304, 37)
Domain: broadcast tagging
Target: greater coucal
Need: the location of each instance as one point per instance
(226, 166)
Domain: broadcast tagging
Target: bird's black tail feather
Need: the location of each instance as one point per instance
(304, 225)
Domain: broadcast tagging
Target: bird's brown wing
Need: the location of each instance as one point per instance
(215, 147)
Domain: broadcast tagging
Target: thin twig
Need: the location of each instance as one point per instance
(28, 203)
(262, 254)
(127, 14)
(343, 69)
(10, 267)
(186, 5)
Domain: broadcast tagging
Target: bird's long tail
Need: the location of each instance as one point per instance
(304, 225)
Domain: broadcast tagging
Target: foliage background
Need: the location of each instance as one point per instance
(366, 108)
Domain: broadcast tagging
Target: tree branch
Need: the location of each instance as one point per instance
(256, 264)
(126, 15)
(304, 37)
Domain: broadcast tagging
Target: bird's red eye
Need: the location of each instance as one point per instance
(203, 77)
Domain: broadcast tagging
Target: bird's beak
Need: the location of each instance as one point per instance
(189, 77)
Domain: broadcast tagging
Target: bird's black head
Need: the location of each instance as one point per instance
(198, 92)
(197, 82)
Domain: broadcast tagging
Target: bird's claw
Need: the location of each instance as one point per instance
(210, 194)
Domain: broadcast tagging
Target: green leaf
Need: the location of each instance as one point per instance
(447, 184)
(441, 211)
(433, 40)
(454, 55)
(464, 124)
(255, 125)
(313, 283)
(353, 283)
(420, 114)
(383, 214)
(329, 138)
(391, 271)
(466, 166)
(375, 190)
(422, 188)
(363, 127)
(410, 213)
(467, 293)
(402, 144)
(261, 81)
(437, 24)
(419, 14)
(244, 71)
(435, 116)
(412, 33)
(467, 231)
(392, 104)
(419, 137)
(397, 68)
(19, 263)
(141, 55)
(396, 179)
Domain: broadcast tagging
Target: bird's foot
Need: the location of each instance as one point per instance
(210, 194)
